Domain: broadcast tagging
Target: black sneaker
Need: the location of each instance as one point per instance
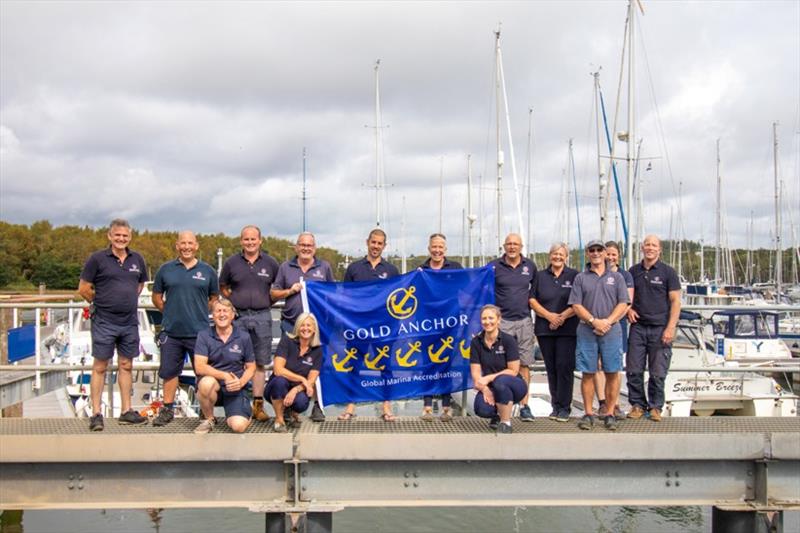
(164, 417)
(611, 423)
(553, 415)
(562, 416)
(504, 428)
(587, 422)
(96, 423)
(316, 413)
(525, 414)
(493, 422)
(132, 417)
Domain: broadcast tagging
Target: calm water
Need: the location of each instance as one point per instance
(438, 519)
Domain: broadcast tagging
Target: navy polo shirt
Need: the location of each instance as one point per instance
(448, 265)
(362, 270)
(651, 290)
(290, 273)
(599, 294)
(249, 282)
(186, 293)
(289, 349)
(116, 285)
(496, 358)
(553, 294)
(512, 286)
(228, 356)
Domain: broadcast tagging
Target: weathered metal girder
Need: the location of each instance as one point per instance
(313, 471)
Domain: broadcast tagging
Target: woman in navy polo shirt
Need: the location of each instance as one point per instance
(224, 357)
(555, 328)
(494, 365)
(298, 360)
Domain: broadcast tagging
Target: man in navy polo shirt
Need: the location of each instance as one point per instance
(513, 275)
(303, 266)
(653, 317)
(370, 268)
(600, 299)
(246, 279)
(437, 260)
(111, 281)
(182, 291)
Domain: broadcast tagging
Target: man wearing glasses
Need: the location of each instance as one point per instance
(513, 275)
(303, 266)
(600, 299)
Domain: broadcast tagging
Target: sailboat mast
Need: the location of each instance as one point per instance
(441, 192)
(778, 247)
(528, 180)
(470, 216)
(718, 252)
(500, 161)
(631, 129)
(378, 143)
(602, 196)
(304, 197)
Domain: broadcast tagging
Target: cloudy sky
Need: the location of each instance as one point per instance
(195, 115)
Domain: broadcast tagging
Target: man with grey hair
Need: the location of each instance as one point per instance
(513, 275)
(111, 281)
(246, 279)
(304, 266)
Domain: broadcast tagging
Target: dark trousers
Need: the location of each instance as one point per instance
(506, 389)
(277, 389)
(645, 350)
(427, 401)
(559, 359)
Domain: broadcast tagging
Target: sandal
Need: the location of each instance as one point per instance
(427, 416)
(446, 416)
(279, 428)
(388, 417)
(344, 417)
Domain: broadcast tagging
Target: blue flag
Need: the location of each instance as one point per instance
(405, 337)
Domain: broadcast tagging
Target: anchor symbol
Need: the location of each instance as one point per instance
(372, 363)
(464, 349)
(403, 360)
(436, 356)
(397, 308)
(339, 365)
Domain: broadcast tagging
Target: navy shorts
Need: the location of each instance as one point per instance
(235, 403)
(259, 325)
(107, 336)
(173, 354)
(608, 347)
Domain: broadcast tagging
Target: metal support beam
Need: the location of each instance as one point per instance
(17, 387)
(299, 523)
(737, 521)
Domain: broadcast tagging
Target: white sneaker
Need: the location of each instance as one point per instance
(205, 426)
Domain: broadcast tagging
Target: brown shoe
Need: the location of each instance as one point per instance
(258, 411)
(655, 415)
(636, 413)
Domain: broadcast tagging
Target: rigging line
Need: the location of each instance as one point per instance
(613, 141)
(623, 219)
(577, 206)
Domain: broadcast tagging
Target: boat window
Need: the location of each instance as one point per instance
(721, 324)
(766, 325)
(744, 326)
(686, 336)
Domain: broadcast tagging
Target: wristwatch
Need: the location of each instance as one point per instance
(591, 320)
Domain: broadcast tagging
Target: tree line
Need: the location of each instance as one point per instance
(39, 253)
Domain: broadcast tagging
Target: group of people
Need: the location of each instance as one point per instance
(579, 324)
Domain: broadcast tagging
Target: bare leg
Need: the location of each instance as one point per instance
(259, 380)
(600, 382)
(170, 389)
(387, 408)
(238, 424)
(504, 411)
(612, 391)
(525, 373)
(125, 380)
(96, 382)
(587, 391)
(207, 394)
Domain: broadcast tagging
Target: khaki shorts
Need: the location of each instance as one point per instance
(522, 331)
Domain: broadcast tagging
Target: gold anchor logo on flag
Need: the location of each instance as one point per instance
(340, 365)
(436, 355)
(372, 362)
(402, 303)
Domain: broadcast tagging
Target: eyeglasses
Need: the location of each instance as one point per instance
(595, 250)
(512, 244)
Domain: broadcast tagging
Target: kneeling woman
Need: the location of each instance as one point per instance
(224, 358)
(494, 365)
(298, 360)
